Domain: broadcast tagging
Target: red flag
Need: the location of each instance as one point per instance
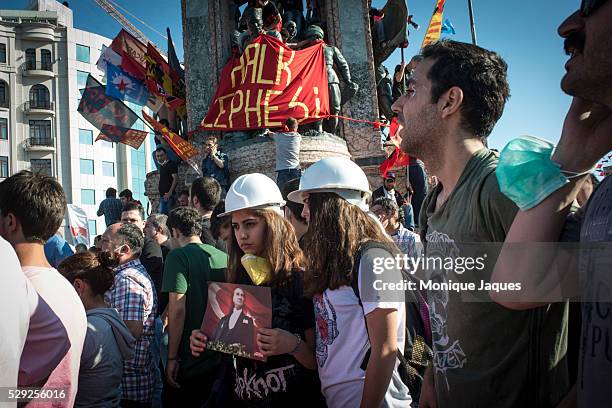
(396, 159)
(267, 84)
(394, 129)
(132, 53)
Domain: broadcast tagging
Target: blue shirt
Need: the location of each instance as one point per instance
(111, 209)
(210, 169)
(56, 250)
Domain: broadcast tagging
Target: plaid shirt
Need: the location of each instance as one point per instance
(406, 241)
(133, 295)
(111, 209)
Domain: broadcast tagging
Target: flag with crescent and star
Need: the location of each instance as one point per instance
(123, 86)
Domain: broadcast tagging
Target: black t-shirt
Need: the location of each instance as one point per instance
(281, 381)
(165, 176)
(152, 259)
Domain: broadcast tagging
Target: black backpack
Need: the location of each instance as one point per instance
(418, 352)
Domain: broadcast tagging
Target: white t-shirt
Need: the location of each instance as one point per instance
(342, 340)
(65, 303)
(17, 299)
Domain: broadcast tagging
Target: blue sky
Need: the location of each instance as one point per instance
(523, 32)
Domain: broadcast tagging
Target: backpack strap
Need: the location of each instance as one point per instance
(355, 285)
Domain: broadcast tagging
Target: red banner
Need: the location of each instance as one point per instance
(267, 84)
(181, 147)
(162, 81)
(132, 53)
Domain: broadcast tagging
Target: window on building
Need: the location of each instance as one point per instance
(45, 60)
(88, 196)
(40, 133)
(87, 166)
(82, 53)
(2, 53)
(39, 97)
(42, 166)
(82, 79)
(85, 136)
(4, 173)
(108, 169)
(30, 58)
(4, 95)
(3, 129)
(93, 230)
(106, 144)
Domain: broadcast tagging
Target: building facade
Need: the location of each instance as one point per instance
(44, 64)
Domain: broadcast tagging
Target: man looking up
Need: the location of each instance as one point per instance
(455, 97)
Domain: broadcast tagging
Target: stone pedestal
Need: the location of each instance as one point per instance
(207, 27)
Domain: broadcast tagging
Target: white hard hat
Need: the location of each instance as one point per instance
(334, 175)
(253, 191)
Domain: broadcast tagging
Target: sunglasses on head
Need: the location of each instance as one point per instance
(390, 180)
(588, 7)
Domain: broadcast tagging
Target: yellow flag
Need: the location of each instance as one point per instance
(435, 24)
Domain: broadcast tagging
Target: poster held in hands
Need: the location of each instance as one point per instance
(233, 315)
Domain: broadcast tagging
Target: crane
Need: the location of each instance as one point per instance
(112, 11)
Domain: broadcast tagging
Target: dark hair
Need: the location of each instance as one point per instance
(183, 192)
(160, 221)
(165, 122)
(291, 123)
(111, 192)
(217, 222)
(133, 206)
(186, 220)
(295, 208)
(37, 201)
(127, 193)
(131, 235)
(390, 205)
(94, 268)
(482, 76)
(80, 245)
(160, 149)
(336, 231)
(208, 192)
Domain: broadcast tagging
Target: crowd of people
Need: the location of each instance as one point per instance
(119, 324)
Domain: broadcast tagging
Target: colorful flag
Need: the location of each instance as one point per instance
(173, 60)
(116, 134)
(121, 85)
(79, 227)
(181, 147)
(99, 109)
(448, 28)
(162, 81)
(435, 24)
(108, 56)
(132, 53)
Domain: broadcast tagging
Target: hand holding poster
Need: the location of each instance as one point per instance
(233, 314)
(267, 84)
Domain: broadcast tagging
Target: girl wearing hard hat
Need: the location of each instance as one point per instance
(264, 251)
(359, 329)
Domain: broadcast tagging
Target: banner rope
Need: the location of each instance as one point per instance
(375, 124)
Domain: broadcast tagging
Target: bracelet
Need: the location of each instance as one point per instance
(297, 345)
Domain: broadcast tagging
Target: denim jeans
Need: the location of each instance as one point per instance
(156, 346)
(283, 176)
(408, 217)
(166, 206)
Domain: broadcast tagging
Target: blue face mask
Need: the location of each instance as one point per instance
(526, 173)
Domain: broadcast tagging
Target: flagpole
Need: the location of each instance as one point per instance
(472, 24)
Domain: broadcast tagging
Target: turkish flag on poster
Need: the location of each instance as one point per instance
(79, 228)
(267, 84)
